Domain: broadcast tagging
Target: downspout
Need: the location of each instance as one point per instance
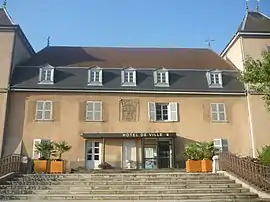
(251, 134)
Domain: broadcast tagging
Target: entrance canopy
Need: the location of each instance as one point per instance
(128, 135)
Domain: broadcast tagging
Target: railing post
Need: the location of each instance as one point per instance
(215, 164)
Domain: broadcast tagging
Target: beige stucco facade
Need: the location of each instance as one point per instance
(194, 122)
(251, 46)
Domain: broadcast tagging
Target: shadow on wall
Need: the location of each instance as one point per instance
(180, 143)
(14, 128)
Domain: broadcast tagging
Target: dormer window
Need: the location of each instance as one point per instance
(214, 79)
(95, 76)
(161, 77)
(128, 77)
(46, 74)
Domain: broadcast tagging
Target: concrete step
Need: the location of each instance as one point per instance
(119, 187)
(114, 192)
(121, 182)
(190, 196)
(199, 200)
(121, 178)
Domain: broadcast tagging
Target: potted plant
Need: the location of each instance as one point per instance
(208, 151)
(58, 165)
(44, 148)
(194, 155)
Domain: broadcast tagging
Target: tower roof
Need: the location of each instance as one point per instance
(5, 18)
(255, 22)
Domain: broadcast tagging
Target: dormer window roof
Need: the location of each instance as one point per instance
(128, 77)
(214, 79)
(95, 76)
(46, 74)
(161, 77)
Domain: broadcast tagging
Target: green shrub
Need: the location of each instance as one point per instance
(264, 155)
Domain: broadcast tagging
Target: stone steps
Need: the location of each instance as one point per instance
(119, 187)
(192, 196)
(176, 186)
(135, 191)
(112, 182)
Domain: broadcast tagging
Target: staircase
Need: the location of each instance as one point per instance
(167, 186)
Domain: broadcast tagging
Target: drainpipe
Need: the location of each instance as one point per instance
(248, 103)
(250, 125)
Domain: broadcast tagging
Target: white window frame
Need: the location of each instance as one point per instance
(47, 80)
(173, 111)
(43, 110)
(158, 73)
(222, 144)
(93, 112)
(95, 70)
(218, 112)
(217, 83)
(35, 154)
(129, 71)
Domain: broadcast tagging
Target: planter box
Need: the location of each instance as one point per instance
(206, 165)
(57, 166)
(41, 166)
(193, 166)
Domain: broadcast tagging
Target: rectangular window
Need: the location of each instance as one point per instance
(129, 77)
(161, 77)
(221, 145)
(215, 78)
(95, 77)
(218, 112)
(93, 111)
(44, 110)
(46, 75)
(163, 111)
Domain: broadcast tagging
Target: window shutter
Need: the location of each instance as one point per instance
(97, 111)
(35, 154)
(89, 76)
(155, 77)
(39, 110)
(89, 112)
(100, 76)
(225, 146)
(167, 77)
(208, 77)
(152, 111)
(173, 111)
(220, 78)
(134, 76)
(122, 76)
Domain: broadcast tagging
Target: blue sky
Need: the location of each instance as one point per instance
(139, 23)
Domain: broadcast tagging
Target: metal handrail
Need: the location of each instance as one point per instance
(255, 173)
(10, 164)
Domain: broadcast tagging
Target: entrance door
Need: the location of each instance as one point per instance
(92, 154)
(164, 154)
(129, 153)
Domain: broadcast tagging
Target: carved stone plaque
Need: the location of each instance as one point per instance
(129, 110)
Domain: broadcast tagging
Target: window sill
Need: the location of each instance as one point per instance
(94, 121)
(163, 121)
(95, 84)
(226, 121)
(129, 84)
(46, 82)
(44, 120)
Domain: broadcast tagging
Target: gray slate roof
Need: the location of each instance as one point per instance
(255, 22)
(76, 79)
(4, 18)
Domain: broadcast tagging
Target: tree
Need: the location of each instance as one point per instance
(256, 75)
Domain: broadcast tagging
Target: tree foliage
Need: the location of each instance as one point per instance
(256, 75)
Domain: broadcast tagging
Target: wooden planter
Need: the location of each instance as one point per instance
(206, 165)
(57, 166)
(193, 166)
(41, 166)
